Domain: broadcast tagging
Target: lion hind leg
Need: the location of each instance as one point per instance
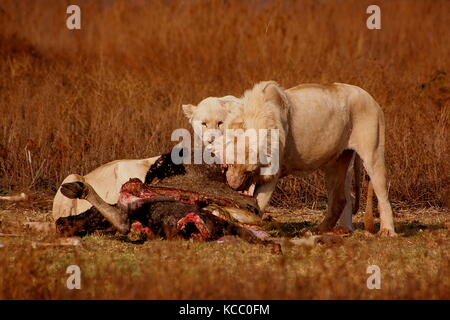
(374, 164)
(368, 214)
(368, 138)
(335, 176)
(377, 171)
(345, 221)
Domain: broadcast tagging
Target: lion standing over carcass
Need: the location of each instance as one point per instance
(320, 127)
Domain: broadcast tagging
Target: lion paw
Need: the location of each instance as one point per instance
(385, 232)
(341, 231)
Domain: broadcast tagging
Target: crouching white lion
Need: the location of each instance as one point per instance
(211, 114)
(106, 179)
(320, 127)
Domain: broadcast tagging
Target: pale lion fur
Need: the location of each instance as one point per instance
(108, 178)
(211, 112)
(321, 127)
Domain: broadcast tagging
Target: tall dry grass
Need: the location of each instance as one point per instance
(72, 100)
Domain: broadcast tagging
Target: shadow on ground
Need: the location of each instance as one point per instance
(288, 229)
(298, 229)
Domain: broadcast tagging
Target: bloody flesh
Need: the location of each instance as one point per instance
(171, 205)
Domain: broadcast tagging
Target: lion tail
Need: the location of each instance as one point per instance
(357, 172)
(368, 214)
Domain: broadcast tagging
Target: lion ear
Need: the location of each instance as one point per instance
(188, 110)
(275, 94)
(230, 103)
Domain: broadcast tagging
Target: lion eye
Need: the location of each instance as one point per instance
(220, 123)
(204, 124)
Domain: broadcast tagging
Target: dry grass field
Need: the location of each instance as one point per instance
(415, 265)
(71, 100)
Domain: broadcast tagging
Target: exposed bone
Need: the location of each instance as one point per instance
(314, 240)
(205, 183)
(20, 197)
(64, 242)
(234, 214)
(12, 235)
(186, 195)
(41, 226)
(170, 218)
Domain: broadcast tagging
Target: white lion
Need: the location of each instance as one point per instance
(211, 114)
(320, 127)
(108, 178)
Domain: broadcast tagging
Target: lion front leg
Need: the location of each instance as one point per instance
(263, 193)
(345, 221)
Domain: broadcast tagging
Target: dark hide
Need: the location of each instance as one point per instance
(170, 205)
(85, 223)
(197, 181)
